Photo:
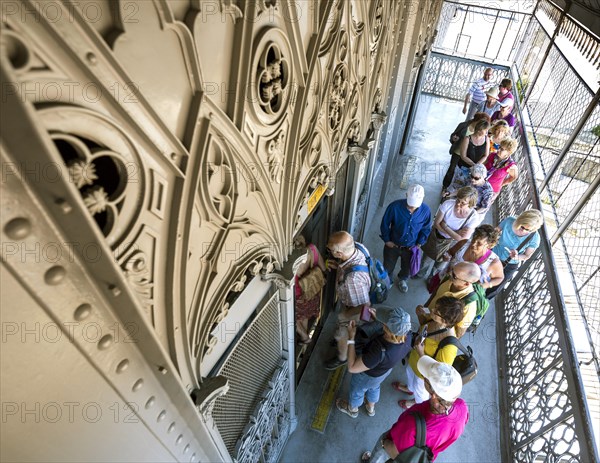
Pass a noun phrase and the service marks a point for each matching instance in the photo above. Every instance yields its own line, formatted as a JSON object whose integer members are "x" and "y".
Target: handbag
{"x": 415, "y": 260}
{"x": 464, "y": 363}
{"x": 437, "y": 245}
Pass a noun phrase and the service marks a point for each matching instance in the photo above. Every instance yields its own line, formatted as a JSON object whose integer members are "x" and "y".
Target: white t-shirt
{"x": 456, "y": 223}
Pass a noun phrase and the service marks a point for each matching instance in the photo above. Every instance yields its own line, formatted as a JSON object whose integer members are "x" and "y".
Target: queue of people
{"x": 464, "y": 263}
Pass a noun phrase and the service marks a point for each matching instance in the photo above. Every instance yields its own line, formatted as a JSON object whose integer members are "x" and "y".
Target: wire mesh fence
{"x": 555, "y": 298}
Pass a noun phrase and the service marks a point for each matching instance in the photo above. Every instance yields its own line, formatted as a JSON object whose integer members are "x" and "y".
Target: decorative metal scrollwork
{"x": 273, "y": 79}
{"x": 338, "y": 96}
{"x": 100, "y": 175}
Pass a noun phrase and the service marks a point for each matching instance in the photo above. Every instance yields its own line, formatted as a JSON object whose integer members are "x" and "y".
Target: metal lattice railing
{"x": 549, "y": 315}
{"x": 252, "y": 417}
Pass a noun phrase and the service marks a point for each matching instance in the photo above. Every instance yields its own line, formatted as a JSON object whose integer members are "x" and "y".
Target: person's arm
{"x": 455, "y": 235}
{"x": 439, "y": 218}
{"x": 526, "y": 255}
{"x": 454, "y": 249}
{"x": 465, "y": 233}
{"x": 421, "y": 315}
{"x": 464, "y": 144}
{"x": 355, "y": 364}
{"x": 512, "y": 174}
{"x": 487, "y": 151}
{"x": 466, "y": 105}
{"x": 470, "y": 312}
{"x": 425, "y": 230}
{"x": 496, "y": 272}
{"x": 320, "y": 261}
{"x": 386, "y": 223}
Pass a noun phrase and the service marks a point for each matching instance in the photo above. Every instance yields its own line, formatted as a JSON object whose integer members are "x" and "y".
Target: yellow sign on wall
{"x": 315, "y": 197}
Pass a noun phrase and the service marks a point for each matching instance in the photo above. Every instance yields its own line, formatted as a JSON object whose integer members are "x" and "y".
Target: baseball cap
{"x": 415, "y": 195}
{"x": 444, "y": 379}
{"x": 395, "y": 318}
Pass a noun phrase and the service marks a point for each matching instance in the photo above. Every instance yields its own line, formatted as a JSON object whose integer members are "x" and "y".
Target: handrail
{"x": 535, "y": 333}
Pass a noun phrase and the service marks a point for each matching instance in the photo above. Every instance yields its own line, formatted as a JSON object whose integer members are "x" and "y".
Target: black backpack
{"x": 366, "y": 334}
{"x": 465, "y": 363}
{"x": 418, "y": 453}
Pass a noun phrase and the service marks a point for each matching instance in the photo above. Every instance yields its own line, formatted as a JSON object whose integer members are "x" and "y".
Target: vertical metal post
{"x": 461, "y": 29}
{"x": 491, "y": 34}
{"x": 582, "y": 121}
{"x": 504, "y": 36}
{"x": 547, "y": 52}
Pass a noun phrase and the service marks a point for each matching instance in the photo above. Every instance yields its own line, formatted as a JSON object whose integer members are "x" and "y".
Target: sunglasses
{"x": 475, "y": 178}
{"x": 528, "y": 230}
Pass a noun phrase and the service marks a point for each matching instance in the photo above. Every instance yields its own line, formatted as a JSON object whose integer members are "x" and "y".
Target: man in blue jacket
{"x": 405, "y": 224}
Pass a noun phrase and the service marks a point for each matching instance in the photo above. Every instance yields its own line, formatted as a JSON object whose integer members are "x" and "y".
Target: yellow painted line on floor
{"x": 327, "y": 399}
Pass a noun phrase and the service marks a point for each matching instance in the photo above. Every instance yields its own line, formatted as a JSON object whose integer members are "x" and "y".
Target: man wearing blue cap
{"x": 377, "y": 358}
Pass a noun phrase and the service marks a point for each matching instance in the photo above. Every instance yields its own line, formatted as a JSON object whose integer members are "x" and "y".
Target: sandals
{"x": 370, "y": 412}
{"x": 402, "y": 388}
{"x": 405, "y": 404}
{"x": 343, "y": 406}
{"x": 366, "y": 457}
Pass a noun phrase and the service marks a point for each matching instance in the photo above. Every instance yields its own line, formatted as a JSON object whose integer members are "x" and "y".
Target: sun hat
{"x": 506, "y": 102}
{"x": 395, "y": 318}
{"x": 493, "y": 92}
{"x": 444, "y": 379}
{"x": 415, "y": 195}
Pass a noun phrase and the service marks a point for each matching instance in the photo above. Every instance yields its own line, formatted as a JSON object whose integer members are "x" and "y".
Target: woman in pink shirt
{"x": 501, "y": 167}
{"x": 444, "y": 413}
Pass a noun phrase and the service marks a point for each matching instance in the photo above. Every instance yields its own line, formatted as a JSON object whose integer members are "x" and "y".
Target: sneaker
{"x": 403, "y": 286}
{"x": 334, "y": 363}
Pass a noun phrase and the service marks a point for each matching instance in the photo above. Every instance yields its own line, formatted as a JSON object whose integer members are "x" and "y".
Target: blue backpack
{"x": 380, "y": 280}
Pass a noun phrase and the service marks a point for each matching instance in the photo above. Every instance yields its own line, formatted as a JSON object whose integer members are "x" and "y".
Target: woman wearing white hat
{"x": 445, "y": 416}
{"x": 491, "y": 104}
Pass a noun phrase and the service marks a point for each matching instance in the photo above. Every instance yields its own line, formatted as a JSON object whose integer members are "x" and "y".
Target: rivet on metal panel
{"x": 105, "y": 342}
{"x": 137, "y": 385}
{"x": 64, "y": 206}
{"x": 193, "y": 457}
{"x": 179, "y": 439}
{"x": 115, "y": 290}
{"x": 122, "y": 366}
{"x": 171, "y": 427}
{"x": 161, "y": 416}
{"x": 150, "y": 402}
{"x": 18, "y": 228}
{"x": 163, "y": 370}
{"x": 91, "y": 58}
{"x": 55, "y": 275}
{"x": 82, "y": 312}
{"x": 186, "y": 448}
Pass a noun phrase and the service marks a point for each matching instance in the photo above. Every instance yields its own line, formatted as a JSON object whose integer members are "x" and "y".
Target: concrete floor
{"x": 344, "y": 439}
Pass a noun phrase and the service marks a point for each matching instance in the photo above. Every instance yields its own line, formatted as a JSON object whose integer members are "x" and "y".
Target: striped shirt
{"x": 353, "y": 288}
{"x": 478, "y": 89}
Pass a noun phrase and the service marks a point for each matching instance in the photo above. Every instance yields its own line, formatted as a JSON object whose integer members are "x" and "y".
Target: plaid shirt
{"x": 353, "y": 288}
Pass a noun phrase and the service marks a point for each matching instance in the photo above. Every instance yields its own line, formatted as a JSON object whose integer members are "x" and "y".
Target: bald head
{"x": 467, "y": 271}
{"x": 341, "y": 243}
